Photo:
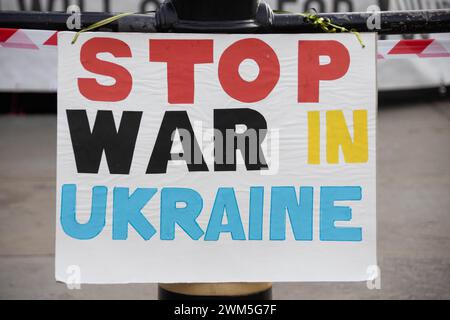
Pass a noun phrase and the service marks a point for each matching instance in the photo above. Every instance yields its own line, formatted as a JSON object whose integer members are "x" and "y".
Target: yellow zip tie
{"x": 326, "y": 24}
{"x": 101, "y": 24}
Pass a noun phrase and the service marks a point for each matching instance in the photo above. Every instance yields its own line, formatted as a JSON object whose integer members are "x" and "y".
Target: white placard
{"x": 141, "y": 195}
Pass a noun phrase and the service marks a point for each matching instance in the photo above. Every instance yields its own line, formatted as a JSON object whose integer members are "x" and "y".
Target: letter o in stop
{"x": 269, "y": 70}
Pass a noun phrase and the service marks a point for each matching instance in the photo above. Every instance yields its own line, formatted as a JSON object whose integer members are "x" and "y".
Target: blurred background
{"x": 413, "y": 165}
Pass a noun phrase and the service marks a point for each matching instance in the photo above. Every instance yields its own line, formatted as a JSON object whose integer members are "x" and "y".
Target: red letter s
{"x": 89, "y": 87}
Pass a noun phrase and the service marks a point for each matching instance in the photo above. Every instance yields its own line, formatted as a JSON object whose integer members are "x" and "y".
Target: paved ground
{"x": 413, "y": 212}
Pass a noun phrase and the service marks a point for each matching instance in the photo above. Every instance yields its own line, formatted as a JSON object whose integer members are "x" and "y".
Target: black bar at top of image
{"x": 258, "y": 17}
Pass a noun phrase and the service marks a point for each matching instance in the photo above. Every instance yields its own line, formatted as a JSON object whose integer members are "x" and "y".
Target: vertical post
{"x": 215, "y": 291}
{"x": 204, "y": 11}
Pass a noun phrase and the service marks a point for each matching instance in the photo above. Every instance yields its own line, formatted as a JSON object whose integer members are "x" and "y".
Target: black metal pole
{"x": 57, "y": 21}
{"x": 167, "y": 19}
{"x": 391, "y": 22}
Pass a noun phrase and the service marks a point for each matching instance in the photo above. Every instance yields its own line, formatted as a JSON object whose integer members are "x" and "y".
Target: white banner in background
{"x": 247, "y": 158}
{"x": 392, "y": 74}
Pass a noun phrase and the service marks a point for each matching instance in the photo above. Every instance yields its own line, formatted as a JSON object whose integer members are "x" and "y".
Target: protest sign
{"x": 216, "y": 157}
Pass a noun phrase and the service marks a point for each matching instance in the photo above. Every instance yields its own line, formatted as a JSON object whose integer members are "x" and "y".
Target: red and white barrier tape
{"x": 424, "y": 48}
{"x": 387, "y": 49}
{"x": 27, "y": 39}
